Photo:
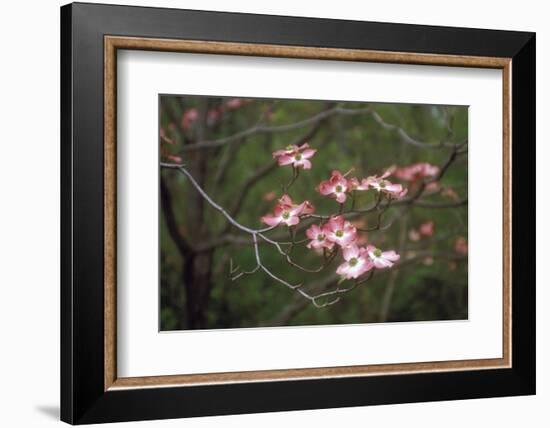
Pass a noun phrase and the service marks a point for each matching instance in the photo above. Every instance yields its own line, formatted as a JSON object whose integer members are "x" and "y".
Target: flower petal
{"x": 351, "y": 252}
{"x": 342, "y": 269}
{"x": 391, "y": 256}
{"x": 285, "y": 200}
{"x": 306, "y": 164}
{"x": 326, "y": 188}
{"x": 313, "y": 231}
{"x": 292, "y": 221}
{"x": 336, "y": 223}
{"x": 341, "y": 198}
{"x": 271, "y": 220}
{"x": 381, "y": 263}
{"x": 285, "y": 160}
{"x": 307, "y": 153}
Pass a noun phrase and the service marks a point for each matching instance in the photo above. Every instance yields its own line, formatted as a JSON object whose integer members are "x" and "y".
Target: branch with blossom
{"x": 332, "y": 235}
{"x": 329, "y": 235}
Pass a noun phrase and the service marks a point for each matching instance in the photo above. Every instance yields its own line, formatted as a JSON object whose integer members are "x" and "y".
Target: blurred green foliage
{"x": 431, "y": 287}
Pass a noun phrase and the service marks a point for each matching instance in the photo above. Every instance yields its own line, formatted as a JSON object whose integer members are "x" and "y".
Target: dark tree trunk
{"x": 197, "y": 270}
{"x": 197, "y": 275}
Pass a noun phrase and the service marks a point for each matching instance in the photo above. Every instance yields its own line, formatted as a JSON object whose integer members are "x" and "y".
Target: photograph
{"x": 263, "y": 211}
{"x": 289, "y": 212}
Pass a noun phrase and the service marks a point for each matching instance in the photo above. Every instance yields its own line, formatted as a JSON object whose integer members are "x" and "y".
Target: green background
{"x": 196, "y": 287}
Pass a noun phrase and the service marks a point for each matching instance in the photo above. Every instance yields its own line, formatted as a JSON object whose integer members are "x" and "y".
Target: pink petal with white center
{"x": 313, "y": 231}
{"x": 350, "y": 252}
{"x": 339, "y": 181}
{"x": 382, "y": 260}
{"x": 353, "y": 271}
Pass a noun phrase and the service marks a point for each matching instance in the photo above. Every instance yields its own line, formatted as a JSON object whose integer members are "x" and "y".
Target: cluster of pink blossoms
{"x": 338, "y": 186}
{"x": 336, "y": 233}
{"x": 357, "y": 260}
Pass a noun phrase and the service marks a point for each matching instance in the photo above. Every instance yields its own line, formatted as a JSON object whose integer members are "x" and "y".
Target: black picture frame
{"x": 83, "y": 398}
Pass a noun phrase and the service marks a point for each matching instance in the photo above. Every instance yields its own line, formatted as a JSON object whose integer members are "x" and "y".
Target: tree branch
{"x": 255, "y": 233}
{"x": 262, "y": 129}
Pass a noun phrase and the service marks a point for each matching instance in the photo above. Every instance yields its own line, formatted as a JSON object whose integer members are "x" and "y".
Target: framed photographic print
{"x": 265, "y": 213}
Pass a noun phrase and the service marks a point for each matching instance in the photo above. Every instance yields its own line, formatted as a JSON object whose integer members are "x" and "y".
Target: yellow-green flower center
{"x": 377, "y": 253}
{"x": 298, "y": 157}
{"x": 320, "y": 237}
{"x": 339, "y": 233}
{"x": 339, "y": 188}
{"x": 286, "y": 215}
{"x": 382, "y": 184}
{"x": 353, "y": 261}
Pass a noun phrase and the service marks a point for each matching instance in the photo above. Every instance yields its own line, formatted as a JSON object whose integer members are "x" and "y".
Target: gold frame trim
{"x": 112, "y": 43}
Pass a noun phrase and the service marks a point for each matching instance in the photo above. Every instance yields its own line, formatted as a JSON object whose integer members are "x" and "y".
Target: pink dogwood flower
{"x": 357, "y": 262}
{"x": 340, "y": 231}
{"x": 355, "y": 184}
{"x": 382, "y": 259}
{"x": 318, "y": 236}
{"x": 305, "y": 207}
{"x": 427, "y": 229}
{"x": 416, "y": 171}
{"x": 297, "y": 156}
{"x": 335, "y": 187}
{"x": 286, "y": 212}
{"x": 385, "y": 186}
